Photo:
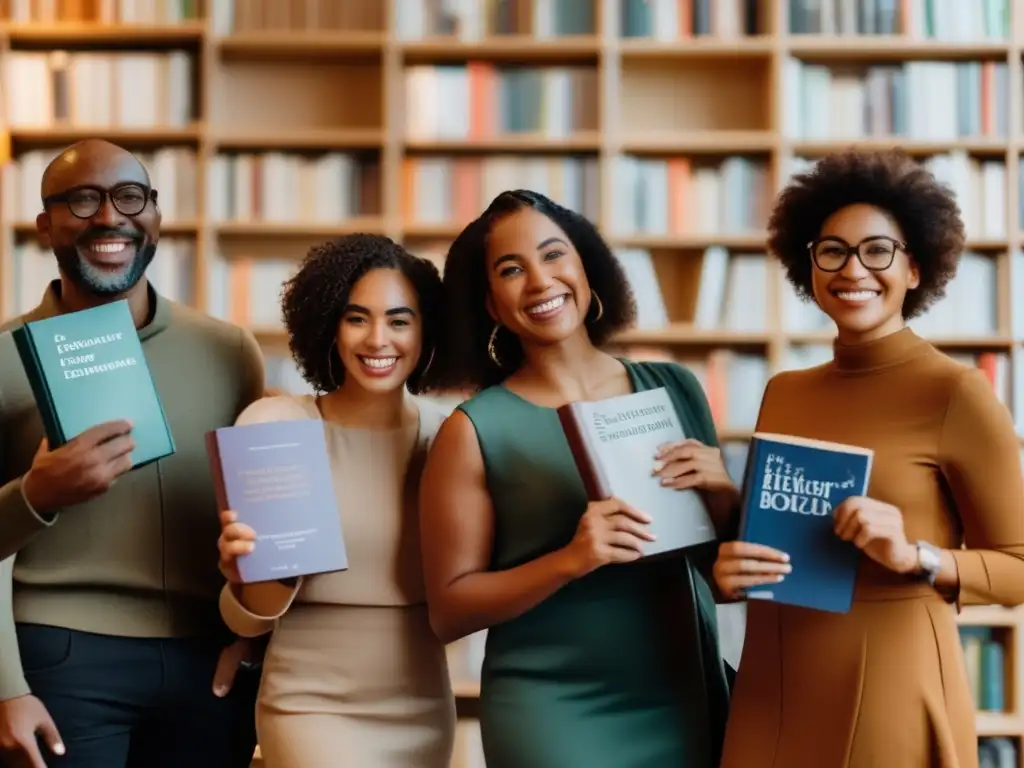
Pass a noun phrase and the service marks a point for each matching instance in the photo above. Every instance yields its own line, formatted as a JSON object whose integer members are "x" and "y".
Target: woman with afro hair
{"x": 873, "y": 238}
{"x": 593, "y": 660}
{"x": 354, "y": 675}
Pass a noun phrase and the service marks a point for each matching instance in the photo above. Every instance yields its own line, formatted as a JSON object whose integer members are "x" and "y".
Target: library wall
{"x": 269, "y": 126}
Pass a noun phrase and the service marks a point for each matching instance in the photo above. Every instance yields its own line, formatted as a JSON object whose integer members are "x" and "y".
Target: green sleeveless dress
{"x": 621, "y": 668}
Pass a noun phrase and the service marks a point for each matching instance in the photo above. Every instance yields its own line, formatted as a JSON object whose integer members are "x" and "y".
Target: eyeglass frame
{"x": 851, "y": 250}
{"x": 105, "y": 194}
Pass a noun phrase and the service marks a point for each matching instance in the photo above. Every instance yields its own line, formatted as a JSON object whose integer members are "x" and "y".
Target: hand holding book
{"x": 236, "y": 539}
{"x": 691, "y": 464}
{"x": 610, "y": 531}
{"x": 80, "y": 469}
{"x": 742, "y": 565}
{"x": 876, "y": 528}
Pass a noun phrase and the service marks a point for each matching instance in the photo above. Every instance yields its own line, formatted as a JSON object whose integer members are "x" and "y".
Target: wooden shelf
{"x": 289, "y": 91}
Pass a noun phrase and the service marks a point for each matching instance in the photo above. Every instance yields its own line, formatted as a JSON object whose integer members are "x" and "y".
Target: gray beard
{"x": 99, "y": 282}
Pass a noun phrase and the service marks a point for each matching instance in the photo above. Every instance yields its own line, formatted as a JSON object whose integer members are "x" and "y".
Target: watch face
{"x": 929, "y": 558}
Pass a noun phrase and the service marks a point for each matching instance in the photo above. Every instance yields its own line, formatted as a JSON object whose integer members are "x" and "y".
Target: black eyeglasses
{"x": 85, "y": 201}
{"x": 876, "y": 253}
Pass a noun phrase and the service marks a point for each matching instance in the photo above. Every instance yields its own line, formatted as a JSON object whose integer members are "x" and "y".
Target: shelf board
{"x": 303, "y": 231}
{"x": 581, "y": 141}
{"x": 291, "y": 44}
{"x": 889, "y": 48}
{"x": 695, "y": 48}
{"x": 132, "y": 138}
{"x": 989, "y": 616}
{"x": 976, "y": 146}
{"x": 699, "y": 142}
{"x": 685, "y": 335}
{"x": 310, "y": 139}
{"x": 751, "y": 242}
{"x": 80, "y": 36}
{"x": 998, "y": 724}
{"x": 503, "y": 48}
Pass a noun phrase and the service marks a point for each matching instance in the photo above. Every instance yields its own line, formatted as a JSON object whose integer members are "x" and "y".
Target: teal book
{"x": 86, "y": 368}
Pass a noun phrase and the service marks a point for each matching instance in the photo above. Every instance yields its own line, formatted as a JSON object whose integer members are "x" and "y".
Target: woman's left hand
{"x": 876, "y": 528}
{"x": 691, "y": 464}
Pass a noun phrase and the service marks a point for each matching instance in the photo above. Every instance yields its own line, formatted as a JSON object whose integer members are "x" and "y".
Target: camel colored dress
{"x": 353, "y": 675}
{"x": 885, "y": 684}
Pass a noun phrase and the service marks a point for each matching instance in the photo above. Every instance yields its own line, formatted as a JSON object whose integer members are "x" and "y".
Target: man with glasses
{"x": 112, "y": 651}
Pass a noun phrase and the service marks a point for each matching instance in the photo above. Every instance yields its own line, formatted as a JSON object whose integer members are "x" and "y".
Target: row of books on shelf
{"x": 652, "y": 197}
{"x": 946, "y": 20}
{"x": 475, "y": 19}
{"x": 918, "y": 100}
{"x": 129, "y": 90}
{"x": 481, "y": 100}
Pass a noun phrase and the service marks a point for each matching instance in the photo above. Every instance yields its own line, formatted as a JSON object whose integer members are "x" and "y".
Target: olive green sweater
{"x": 141, "y": 560}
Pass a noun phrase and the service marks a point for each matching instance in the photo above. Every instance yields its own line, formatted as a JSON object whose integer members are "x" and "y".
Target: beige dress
{"x": 353, "y": 675}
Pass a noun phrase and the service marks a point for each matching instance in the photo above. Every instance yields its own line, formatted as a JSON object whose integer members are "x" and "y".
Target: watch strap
{"x": 930, "y": 560}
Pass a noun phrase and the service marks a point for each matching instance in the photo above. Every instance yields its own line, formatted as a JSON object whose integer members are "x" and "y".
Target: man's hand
{"x": 81, "y": 469}
{"x": 231, "y": 658}
{"x": 21, "y": 718}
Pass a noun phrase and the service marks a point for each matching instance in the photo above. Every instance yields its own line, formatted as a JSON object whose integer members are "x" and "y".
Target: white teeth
{"x": 547, "y": 306}
{"x": 378, "y": 362}
{"x": 107, "y": 247}
{"x": 856, "y": 295}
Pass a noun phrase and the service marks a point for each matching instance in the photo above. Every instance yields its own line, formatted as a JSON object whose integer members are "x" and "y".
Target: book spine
{"x": 747, "y": 497}
{"x": 220, "y": 491}
{"x": 159, "y": 403}
{"x": 584, "y": 454}
{"x": 26, "y": 347}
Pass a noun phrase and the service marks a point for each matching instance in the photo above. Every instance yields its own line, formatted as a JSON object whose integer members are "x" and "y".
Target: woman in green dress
{"x": 592, "y": 660}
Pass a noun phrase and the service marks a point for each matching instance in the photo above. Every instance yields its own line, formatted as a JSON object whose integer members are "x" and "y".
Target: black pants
{"x": 138, "y": 703}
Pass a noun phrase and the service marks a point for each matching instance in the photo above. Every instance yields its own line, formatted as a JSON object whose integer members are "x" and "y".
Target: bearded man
{"x": 112, "y": 651}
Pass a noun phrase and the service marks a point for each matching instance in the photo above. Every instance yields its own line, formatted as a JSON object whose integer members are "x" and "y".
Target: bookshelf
{"x": 268, "y": 126}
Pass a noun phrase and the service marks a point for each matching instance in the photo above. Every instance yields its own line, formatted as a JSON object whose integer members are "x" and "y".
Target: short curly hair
{"x": 925, "y": 209}
{"x": 313, "y": 299}
{"x": 465, "y": 362}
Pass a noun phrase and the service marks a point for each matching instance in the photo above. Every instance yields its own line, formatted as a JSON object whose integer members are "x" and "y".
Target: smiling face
{"x": 538, "y": 287}
{"x": 864, "y": 303}
{"x": 380, "y": 335}
{"x": 106, "y": 253}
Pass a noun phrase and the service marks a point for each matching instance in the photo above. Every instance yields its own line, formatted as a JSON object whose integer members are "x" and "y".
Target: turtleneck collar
{"x": 51, "y": 306}
{"x": 894, "y": 349}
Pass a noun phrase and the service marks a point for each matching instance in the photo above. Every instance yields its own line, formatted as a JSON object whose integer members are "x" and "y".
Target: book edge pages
{"x": 810, "y": 442}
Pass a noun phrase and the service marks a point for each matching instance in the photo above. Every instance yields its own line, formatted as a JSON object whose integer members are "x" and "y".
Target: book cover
{"x": 88, "y": 367}
{"x": 614, "y": 443}
{"x": 276, "y": 476}
{"x": 791, "y": 488}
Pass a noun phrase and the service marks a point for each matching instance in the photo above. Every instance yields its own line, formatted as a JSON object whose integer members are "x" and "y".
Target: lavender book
{"x": 276, "y": 477}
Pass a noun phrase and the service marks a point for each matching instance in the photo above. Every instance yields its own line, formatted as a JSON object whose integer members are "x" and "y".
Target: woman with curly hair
{"x": 873, "y": 238}
{"x": 353, "y": 675}
{"x": 592, "y": 659}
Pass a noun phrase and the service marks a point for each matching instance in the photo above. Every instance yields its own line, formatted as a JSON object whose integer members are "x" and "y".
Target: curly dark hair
{"x": 925, "y": 209}
{"x": 465, "y": 362}
{"x": 313, "y": 299}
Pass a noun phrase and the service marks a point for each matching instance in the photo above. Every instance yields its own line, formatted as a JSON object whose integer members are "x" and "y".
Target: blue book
{"x": 276, "y": 476}
{"x": 792, "y": 486}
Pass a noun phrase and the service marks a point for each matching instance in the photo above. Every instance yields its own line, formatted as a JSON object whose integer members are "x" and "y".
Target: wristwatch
{"x": 929, "y": 560}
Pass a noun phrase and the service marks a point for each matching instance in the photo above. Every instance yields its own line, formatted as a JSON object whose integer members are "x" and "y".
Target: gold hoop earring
{"x": 490, "y": 345}
{"x": 330, "y": 364}
{"x": 600, "y": 306}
